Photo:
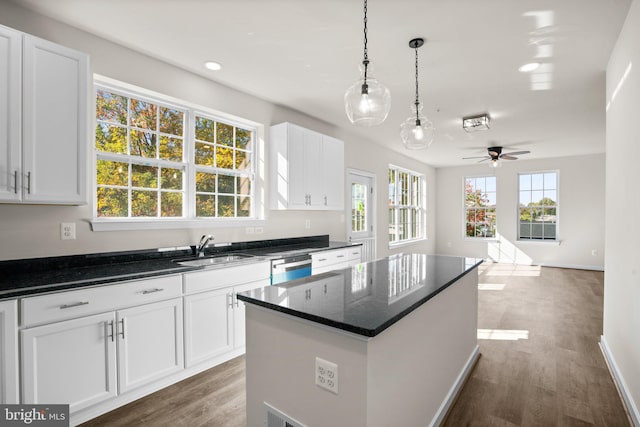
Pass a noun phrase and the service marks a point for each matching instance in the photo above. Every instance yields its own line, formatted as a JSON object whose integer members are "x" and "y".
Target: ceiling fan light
{"x": 495, "y": 164}
{"x": 476, "y": 123}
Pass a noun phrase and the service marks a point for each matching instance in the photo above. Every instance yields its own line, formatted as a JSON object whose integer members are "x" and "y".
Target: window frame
{"x": 422, "y": 231}
{"x": 188, "y": 220}
{"x": 464, "y": 209}
{"x": 556, "y": 240}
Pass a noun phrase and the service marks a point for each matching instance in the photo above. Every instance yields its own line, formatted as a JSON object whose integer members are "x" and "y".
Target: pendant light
{"x": 367, "y": 102}
{"x": 417, "y": 131}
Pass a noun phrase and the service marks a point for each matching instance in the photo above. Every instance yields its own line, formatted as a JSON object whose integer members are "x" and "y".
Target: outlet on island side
{"x": 327, "y": 375}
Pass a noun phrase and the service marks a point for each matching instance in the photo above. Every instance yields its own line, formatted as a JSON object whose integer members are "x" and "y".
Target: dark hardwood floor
{"x": 541, "y": 364}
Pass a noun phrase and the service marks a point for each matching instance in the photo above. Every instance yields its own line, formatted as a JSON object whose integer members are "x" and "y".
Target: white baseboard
{"x": 574, "y": 266}
{"x": 455, "y": 389}
{"x": 632, "y": 409}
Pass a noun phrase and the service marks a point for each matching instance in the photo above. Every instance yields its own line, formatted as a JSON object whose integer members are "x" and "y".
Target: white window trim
{"x": 425, "y": 198}
{"x": 116, "y": 224}
{"x": 464, "y": 211}
{"x": 553, "y": 242}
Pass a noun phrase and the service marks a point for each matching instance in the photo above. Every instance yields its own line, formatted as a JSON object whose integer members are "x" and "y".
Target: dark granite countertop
{"x": 368, "y": 298}
{"x": 40, "y": 275}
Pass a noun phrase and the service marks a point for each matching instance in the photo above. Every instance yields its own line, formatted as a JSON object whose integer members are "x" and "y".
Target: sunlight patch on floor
{"x": 503, "y": 334}
{"x": 490, "y": 286}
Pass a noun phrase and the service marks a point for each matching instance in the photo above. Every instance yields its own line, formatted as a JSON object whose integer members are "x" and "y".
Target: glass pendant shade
{"x": 417, "y": 131}
{"x": 367, "y": 102}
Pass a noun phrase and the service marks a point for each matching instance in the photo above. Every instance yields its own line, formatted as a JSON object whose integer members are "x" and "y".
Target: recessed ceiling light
{"x": 529, "y": 67}
{"x": 212, "y": 65}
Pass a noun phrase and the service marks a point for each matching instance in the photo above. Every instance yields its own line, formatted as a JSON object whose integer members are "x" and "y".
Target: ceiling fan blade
{"x": 485, "y": 159}
{"x": 517, "y": 153}
{"x": 508, "y": 157}
{"x": 477, "y": 157}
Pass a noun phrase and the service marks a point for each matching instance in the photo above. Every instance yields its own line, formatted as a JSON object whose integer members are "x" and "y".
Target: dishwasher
{"x": 290, "y": 268}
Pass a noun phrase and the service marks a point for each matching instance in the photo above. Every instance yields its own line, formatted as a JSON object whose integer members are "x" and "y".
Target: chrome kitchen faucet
{"x": 204, "y": 241}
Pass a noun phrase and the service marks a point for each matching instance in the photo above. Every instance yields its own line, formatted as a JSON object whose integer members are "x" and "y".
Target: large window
{"x": 407, "y": 213}
{"x": 538, "y": 196}
{"x": 480, "y": 206}
{"x": 156, "y": 160}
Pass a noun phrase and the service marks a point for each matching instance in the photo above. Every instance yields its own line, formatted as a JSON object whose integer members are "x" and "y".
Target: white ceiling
{"x": 305, "y": 53}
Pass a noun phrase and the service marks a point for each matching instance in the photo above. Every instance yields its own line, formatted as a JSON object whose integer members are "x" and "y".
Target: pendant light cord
{"x": 417, "y": 97}
{"x": 365, "y": 61}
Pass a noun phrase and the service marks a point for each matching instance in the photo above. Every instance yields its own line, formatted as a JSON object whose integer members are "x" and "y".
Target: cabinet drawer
{"x": 354, "y": 253}
{"x": 223, "y": 277}
{"x": 321, "y": 259}
{"x": 69, "y": 304}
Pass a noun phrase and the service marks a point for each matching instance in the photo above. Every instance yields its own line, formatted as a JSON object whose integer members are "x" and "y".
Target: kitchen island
{"x": 384, "y": 343}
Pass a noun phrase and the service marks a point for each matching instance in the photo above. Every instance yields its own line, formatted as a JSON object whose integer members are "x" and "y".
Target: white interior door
{"x": 361, "y": 225}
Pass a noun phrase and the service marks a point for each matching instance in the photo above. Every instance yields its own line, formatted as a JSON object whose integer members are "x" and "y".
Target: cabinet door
{"x": 239, "y": 339}
{"x": 149, "y": 343}
{"x": 333, "y": 173}
{"x": 55, "y": 120}
{"x": 70, "y": 362}
{"x": 10, "y": 113}
{"x": 313, "y": 168}
{"x": 208, "y": 325}
{"x": 9, "y": 352}
{"x": 297, "y": 194}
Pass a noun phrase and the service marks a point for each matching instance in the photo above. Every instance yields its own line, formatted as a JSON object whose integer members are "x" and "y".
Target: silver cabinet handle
{"x": 235, "y": 297}
{"x": 340, "y": 256}
{"x": 15, "y": 178}
{"x": 150, "y": 291}
{"x": 112, "y": 335}
{"x": 75, "y": 304}
{"x": 29, "y": 182}
{"x": 321, "y": 259}
{"x": 325, "y": 200}
{"x": 230, "y": 299}
{"x": 122, "y": 321}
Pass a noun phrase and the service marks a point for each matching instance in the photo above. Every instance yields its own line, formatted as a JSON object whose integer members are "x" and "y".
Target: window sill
{"x": 406, "y": 243}
{"x": 168, "y": 224}
{"x": 539, "y": 242}
{"x": 481, "y": 239}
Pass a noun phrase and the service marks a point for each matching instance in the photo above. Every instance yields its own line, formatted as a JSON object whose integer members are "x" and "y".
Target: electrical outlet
{"x": 594, "y": 252}
{"x": 327, "y": 375}
{"x": 307, "y": 223}
{"x": 259, "y": 230}
{"x": 67, "y": 231}
{"x": 249, "y": 230}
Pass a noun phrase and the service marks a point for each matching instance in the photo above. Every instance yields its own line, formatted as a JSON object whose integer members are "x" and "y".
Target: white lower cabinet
{"x": 335, "y": 259}
{"x": 9, "y": 352}
{"x": 149, "y": 343}
{"x": 70, "y": 362}
{"x": 78, "y": 361}
{"x": 214, "y": 319}
{"x": 208, "y": 325}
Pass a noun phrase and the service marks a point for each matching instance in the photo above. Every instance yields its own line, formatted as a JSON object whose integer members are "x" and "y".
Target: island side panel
{"x": 280, "y": 366}
{"x": 413, "y": 366}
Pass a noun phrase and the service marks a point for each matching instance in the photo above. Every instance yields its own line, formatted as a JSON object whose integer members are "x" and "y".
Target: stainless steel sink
{"x": 213, "y": 260}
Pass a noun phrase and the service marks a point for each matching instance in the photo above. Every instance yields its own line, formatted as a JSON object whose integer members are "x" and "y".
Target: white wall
{"x": 581, "y": 213}
{"x": 621, "y": 337}
{"x": 34, "y": 231}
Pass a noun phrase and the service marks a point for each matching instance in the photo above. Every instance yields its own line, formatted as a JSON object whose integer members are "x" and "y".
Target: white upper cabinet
{"x": 10, "y": 113}
{"x": 44, "y": 97}
{"x": 307, "y": 169}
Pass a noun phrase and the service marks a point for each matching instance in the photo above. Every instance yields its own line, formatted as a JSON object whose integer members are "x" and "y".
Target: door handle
{"x": 122, "y": 332}
{"x": 29, "y": 182}
{"x": 112, "y": 335}
{"x": 15, "y": 179}
{"x": 150, "y": 291}
{"x": 75, "y": 304}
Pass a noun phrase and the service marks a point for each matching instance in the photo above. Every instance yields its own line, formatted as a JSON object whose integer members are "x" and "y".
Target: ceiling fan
{"x": 495, "y": 154}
